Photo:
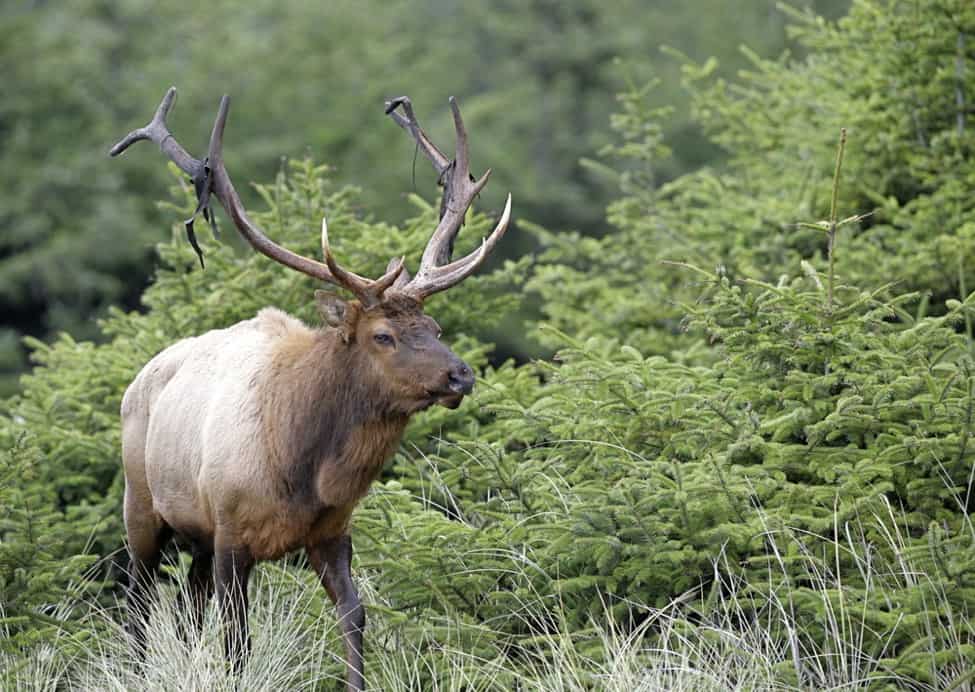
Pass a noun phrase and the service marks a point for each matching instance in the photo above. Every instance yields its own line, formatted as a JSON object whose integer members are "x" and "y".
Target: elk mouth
{"x": 447, "y": 398}
{"x": 451, "y": 400}
{"x": 460, "y": 383}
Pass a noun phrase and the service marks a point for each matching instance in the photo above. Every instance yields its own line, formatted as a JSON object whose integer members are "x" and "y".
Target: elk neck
{"x": 329, "y": 422}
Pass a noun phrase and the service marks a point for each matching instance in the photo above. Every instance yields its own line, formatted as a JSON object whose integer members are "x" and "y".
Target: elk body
{"x": 257, "y": 440}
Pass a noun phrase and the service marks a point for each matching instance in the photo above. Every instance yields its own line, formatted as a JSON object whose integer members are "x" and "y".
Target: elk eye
{"x": 383, "y": 339}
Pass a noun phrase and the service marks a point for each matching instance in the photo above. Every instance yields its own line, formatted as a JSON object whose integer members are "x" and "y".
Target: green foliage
{"x": 753, "y": 405}
{"x": 806, "y": 426}
{"x": 536, "y": 81}
{"x": 891, "y": 74}
{"x": 42, "y": 554}
{"x": 756, "y": 419}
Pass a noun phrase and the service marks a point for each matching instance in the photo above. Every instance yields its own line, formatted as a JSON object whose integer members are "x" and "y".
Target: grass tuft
{"x": 732, "y": 636}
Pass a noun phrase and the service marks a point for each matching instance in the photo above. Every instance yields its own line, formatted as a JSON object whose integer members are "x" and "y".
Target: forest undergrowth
{"x": 726, "y": 636}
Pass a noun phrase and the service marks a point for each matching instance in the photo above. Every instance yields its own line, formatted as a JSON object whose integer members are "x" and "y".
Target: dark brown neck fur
{"x": 321, "y": 406}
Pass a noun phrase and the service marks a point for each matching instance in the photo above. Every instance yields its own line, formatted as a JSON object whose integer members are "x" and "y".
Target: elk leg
{"x": 145, "y": 553}
{"x": 198, "y": 590}
{"x": 332, "y": 560}
{"x": 233, "y": 568}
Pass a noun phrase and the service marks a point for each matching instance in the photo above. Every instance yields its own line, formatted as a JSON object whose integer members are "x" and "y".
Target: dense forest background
{"x": 741, "y": 456}
{"x": 538, "y": 82}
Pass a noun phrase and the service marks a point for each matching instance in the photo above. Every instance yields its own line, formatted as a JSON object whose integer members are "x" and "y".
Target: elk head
{"x": 398, "y": 348}
{"x": 384, "y": 325}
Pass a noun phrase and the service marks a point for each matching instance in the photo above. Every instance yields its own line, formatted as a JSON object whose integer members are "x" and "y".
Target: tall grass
{"x": 733, "y": 637}
{"x": 292, "y": 645}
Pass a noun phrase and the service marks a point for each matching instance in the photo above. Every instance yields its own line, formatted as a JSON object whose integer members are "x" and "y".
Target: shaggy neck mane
{"x": 322, "y": 405}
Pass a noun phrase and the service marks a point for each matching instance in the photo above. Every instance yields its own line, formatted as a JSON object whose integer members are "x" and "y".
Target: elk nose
{"x": 460, "y": 379}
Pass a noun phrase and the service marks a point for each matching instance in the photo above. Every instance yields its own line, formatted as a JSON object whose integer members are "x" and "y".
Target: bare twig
{"x": 832, "y": 217}
{"x": 960, "y": 83}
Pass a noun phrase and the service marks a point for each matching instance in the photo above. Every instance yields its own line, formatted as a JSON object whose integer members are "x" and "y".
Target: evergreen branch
{"x": 727, "y": 491}
{"x": 963, "y": 290}
{"x": 965, "y": 434}
{"x": 721, "y": 414}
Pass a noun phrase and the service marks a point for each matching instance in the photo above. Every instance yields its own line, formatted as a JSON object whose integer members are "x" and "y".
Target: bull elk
{"x": 257, "y": 440}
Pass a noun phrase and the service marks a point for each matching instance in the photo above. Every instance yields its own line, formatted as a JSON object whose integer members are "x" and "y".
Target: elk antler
{"x": 210, "y": 175}
{"x": 436, "y": 272}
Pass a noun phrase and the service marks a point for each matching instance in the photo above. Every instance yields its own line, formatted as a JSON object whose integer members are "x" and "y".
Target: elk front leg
{"x": 233, "y": 568}
{"x": 332, "y": 560}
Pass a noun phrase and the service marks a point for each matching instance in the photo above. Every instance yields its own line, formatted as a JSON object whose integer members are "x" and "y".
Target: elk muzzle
{"x": 460, "y": 379}
{"x": 459, "y": 383}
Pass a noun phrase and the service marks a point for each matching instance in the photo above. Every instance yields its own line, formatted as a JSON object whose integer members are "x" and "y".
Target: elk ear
{"x": 332, "y": 308}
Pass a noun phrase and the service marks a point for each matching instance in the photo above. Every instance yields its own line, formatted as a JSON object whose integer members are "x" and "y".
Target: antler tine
{"x": 460, "y": 189}
{"x": 157, "y": 131}
{"x": 368, "y": 291}
{"x": 454, "y": 176}
{"x": 211, "y": 175}
{"x": 461, "y": 154}
{"x": 409, "y": 123}
{"x": 441, "y": 278}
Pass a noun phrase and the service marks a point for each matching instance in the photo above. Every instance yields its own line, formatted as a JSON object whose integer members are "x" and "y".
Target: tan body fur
{"x": 213, "y": 427}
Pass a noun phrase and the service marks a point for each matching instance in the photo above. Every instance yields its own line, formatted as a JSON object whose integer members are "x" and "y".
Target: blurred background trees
{"x": 538, "y": 81}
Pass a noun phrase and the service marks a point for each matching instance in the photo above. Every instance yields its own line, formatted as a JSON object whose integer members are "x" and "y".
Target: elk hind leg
{"x": 232, "y": 569}
{"x": 196, "y": 593}
{"x": 332, "y": 560}
{"x": 146, "y": 541}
